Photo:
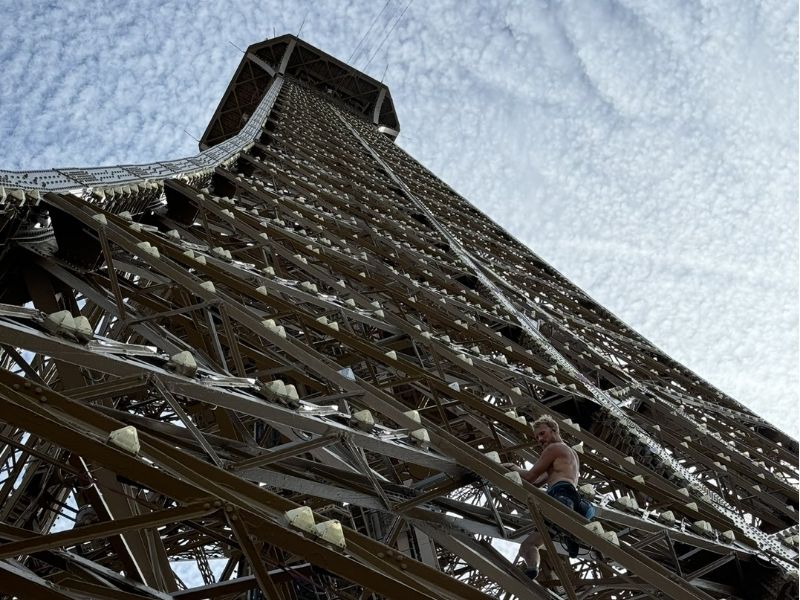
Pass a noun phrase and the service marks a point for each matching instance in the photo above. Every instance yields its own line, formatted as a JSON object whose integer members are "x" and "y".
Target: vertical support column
{"x": 286, "y": 56}
{"x": 378, "y": 103}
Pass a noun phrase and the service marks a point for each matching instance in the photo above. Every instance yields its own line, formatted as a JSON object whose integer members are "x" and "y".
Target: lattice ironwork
{"x": 288, "y": 377}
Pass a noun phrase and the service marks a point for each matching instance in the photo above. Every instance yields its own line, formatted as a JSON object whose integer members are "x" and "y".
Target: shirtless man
{"x": 558, "y": 467}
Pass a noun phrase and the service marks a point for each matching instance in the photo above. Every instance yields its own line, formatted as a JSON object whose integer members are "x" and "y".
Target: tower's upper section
{"x": 291, "y": 56}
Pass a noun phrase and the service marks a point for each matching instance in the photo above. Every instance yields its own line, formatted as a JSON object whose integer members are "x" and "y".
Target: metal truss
{"x": 127, "y": 180}
{"x": 296, "y": 376}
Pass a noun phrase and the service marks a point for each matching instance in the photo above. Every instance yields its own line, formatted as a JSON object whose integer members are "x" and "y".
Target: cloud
{"x": 646, "y": 150}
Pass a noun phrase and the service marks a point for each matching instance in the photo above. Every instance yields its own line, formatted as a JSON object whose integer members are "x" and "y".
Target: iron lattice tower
{"x": 304, "y": 316}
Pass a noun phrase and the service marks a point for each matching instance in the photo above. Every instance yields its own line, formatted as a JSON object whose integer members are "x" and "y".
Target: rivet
{"x": 42, "y": 398}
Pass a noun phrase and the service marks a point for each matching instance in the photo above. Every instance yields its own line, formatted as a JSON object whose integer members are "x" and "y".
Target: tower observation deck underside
{"x": 349, "y": 88}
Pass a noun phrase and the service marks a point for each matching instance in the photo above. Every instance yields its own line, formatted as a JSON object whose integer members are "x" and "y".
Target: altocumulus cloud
{"x": 647, "y": 150}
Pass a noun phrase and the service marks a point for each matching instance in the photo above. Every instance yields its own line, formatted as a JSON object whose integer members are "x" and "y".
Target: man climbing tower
{"x": 558, "y": 467}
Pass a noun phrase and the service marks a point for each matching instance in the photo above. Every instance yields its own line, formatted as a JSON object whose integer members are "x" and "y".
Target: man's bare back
{"x": 565, "y": 465}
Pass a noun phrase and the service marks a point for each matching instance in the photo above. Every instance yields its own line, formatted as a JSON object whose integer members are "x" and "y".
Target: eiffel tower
{"x": 297, "y": 365}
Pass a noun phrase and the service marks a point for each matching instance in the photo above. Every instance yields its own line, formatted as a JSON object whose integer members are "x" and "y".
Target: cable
{"x": 303, "y": 23}
{"x": 361, "y": 41}
{"x": 410, "y": 2}
{"x": 365, "y": 50}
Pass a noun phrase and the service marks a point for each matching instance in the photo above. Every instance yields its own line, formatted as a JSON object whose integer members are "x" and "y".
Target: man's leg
{"x": 568, "y": 496}
{"x": 529, "y": 551}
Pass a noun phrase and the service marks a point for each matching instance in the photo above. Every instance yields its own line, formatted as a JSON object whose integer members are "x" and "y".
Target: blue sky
{"x": 647, "y": 150}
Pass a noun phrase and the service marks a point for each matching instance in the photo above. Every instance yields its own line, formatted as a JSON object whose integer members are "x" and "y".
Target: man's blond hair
{"x": 548, "y": 421}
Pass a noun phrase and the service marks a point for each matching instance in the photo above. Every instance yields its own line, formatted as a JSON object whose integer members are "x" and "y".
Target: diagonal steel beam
{"x": 71, "y": 537}
{"x": 251, "y": 552}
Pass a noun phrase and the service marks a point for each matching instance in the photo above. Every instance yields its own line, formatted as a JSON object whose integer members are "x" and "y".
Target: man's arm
{"x": 537, "y": 475}
{"x": 541, "y": 480}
